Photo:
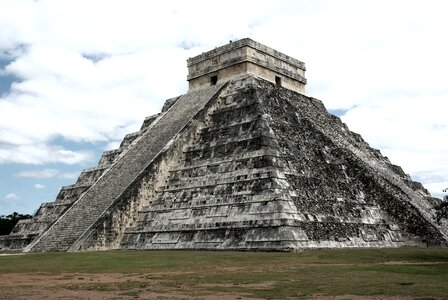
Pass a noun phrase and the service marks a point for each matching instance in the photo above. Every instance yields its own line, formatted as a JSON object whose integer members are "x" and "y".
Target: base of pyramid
{"x": 284, "y": 238}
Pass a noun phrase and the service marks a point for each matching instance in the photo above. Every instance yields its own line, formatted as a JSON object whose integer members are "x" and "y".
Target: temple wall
{"x": 242, "y": 58}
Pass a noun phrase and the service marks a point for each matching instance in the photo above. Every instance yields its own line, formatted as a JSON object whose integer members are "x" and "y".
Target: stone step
{"x": 70, "y": 193}
{"x": 109, "y": 157}
{"x": 168, "y": 103}
{"x": 246, "y": 156}
{"x": 89, "y": 176}
{"x": 148, "y": 121}
{"x": 129, "y": 138}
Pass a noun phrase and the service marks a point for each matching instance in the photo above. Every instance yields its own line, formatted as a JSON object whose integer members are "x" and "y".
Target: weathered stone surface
{"x": 239, "y": 163}
{"x": 245, "y": 57}
{"x": 272, "y": 170}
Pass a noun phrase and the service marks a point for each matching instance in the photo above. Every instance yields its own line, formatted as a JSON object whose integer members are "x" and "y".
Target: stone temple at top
{"x": 242, "y": 161}
{"x": 242, "y": 58}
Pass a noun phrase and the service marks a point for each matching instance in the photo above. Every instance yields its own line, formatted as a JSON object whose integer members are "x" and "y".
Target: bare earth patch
{"x": 98, "y": 286}
{"x": 355, "y": 297}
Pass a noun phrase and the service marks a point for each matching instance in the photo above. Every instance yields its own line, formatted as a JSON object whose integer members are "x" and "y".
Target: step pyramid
{"x": 243, "y": 161}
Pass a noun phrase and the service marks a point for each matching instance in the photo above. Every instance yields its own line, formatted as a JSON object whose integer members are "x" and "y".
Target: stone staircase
{"x": 117, "y": 169}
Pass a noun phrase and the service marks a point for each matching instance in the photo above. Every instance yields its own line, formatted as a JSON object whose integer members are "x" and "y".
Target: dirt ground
{"x": 118, "y": 286}
{"x": 94, "y": 286}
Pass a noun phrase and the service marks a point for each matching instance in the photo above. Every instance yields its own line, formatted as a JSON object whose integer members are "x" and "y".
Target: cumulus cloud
{"x": 410, "y": 130}
{"x": 11, "y": 196}
{"x": 47, "y": 173}
{"x": 38, "y": 186}
{"x": 96, "y": 79}
{"x": 41, "y": 153}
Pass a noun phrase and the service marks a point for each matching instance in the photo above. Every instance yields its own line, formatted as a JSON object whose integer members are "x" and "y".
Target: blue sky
{"x": 76, "y": 76}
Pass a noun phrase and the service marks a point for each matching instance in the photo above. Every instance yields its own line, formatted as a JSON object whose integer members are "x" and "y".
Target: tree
{"x": 442, "y": 209}
{"x": 8, "y": 222}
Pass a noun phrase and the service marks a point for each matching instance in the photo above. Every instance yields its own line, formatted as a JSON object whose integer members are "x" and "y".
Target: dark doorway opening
{"x": 278, "y": 80}
{"x": 213, "y": 79}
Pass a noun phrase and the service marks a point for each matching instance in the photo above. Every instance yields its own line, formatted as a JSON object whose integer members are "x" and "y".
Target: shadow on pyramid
{"x": 243, "y": 161}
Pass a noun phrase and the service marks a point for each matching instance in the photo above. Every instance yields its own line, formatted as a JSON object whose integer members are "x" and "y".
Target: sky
{"x": 76, "y": 76}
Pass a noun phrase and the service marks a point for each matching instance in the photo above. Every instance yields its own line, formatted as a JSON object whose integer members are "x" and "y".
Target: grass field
{"x": 346, "y": 274}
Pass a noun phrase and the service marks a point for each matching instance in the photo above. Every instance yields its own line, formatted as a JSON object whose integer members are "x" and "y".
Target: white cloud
{"x": 112, "y": 145}
{"x": 438, "y": 188}
{"x": 42, "y": 153}
{"x": 47, "y": 173}
{"x": 11, "y": 196}
{"x": 39, "y": 186}
{"x": 410, "y": 130}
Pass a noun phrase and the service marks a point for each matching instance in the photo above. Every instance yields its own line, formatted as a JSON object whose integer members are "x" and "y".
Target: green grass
{"x": 420, "y": 273}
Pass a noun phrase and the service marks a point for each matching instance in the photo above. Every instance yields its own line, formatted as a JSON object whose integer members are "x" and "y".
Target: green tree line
{"x": 8, "y": 222}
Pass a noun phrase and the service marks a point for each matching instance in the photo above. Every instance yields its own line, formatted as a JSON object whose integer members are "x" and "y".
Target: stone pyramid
{"x": 243, "y": 161}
